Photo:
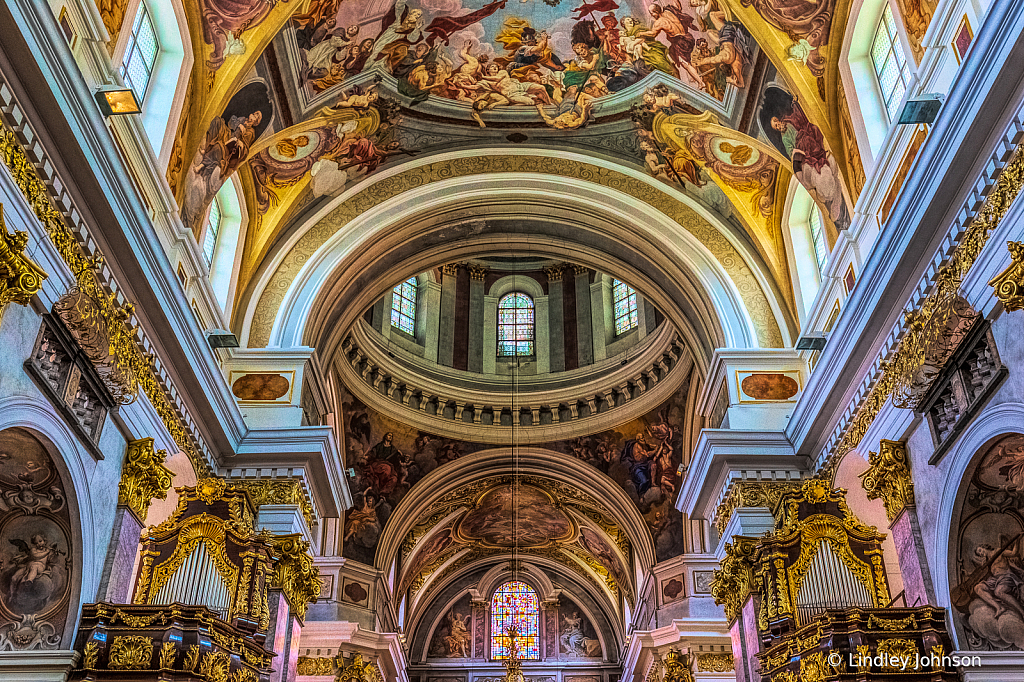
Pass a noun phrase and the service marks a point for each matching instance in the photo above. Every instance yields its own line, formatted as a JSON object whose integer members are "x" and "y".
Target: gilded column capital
{"x": 294, "y": 573}
{"x": 477, "y": 273}
{"x": 1009, "y": 284}
{"x": 451, "y": 269}
{"x": 751, "y": 494}
{"x": 678, "y": 667}
{"x": 732, "y": 583}
{"x": 889, "y": 477}
{"x": 554, "y": 273}
{"x": 580, "y": 270}
{"x": 278, "y": 491}
{"x": 143, "y": 477}
{"x": 20, "y": 278}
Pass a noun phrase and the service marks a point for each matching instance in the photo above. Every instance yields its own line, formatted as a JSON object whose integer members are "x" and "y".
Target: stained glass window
{"x": 212, "y": 230}
{"x": 140, "y": 55}
{"x": 891, "y": 66}
{"x": 515, "y": 604}
{"x": 515, "y": 324}
{"x": 818, "y": 237}
{"x": 624, "y": 307}
{"x": 403, "y": 307}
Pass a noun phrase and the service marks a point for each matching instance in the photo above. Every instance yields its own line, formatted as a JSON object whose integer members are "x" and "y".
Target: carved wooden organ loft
{"x": 201, "y": 609}
{"x": 816, "y": 587}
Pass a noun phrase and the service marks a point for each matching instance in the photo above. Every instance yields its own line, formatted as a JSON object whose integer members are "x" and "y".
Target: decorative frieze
{"x": 1009, "y": 284}
{"x": 143, "y": 477}
{"x": 279, "y": 491}
{"x": 715, "y": 663}
{"x": 889, "y": 478}
{"x": 20, "y": 278}
{"x": 751, "y": 494}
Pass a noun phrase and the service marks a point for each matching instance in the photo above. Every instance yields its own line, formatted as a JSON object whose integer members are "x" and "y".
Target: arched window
{"x": 624, "y": 307}
{"x": 140, "y": 54}
{"x": 213, "y": 222}
{"x": 818, "y": 238}
{"x": 403, "y": 307}
{"x": 515, "y": 605}
{"x": 515, "y": 324}
{"x": 891, "y": 68}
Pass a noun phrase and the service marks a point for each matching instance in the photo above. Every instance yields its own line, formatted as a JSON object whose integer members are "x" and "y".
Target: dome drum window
{"x": 624, "y": 307}
{"x": 515, "y": 325}
{"x": 403, "y": 307}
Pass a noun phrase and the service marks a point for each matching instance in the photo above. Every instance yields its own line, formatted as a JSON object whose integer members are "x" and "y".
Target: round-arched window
{"x": 515, "y": 606}
{"x": 515, "y": 325}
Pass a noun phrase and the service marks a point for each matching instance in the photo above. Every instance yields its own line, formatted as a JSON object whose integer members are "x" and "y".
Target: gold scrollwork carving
{"x": 908, "y": 373}
{"x": 359, "y": 671}
{"x": 898, "y": 655}
{"x": 751, "y": 494}
{"x": 91, "y": 655}
{"x": 279, "y": 491}
{"x": 191, "y": 658}
{"x": 732, "y": 583}
{"x": 133, "y": 621}
{"x": 1009, "y": 284}
{"x": 131, "y": 652}
{"x": 814, "y": 668}
{"x": 889, "y": 478}
{"x": 167, "y": 655}
{"x": 715, "y": 663}
{"x": 319, "y": 665}
{"x": 892, "y": 624}
{"x": 215, "y": 666}
{"x": 20, "y": 278}
{"x": 143, "y": 477}
{"x": 295, "y": 574}
{"x": 678, "y": 667}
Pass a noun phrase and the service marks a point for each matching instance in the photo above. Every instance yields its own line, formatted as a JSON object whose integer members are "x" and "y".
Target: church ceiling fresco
{"x": 302, "y": 98}
{"x": 390, "y": 458}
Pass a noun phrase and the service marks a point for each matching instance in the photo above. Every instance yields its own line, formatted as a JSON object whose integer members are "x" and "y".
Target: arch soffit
{"x": 535, "y": 569}
{"x": 370, "y": 208}
{"x": 533, "y": 462}
{"x": 511, "y": 283}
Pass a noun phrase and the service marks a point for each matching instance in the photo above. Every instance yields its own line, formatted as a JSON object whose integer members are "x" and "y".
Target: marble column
{"x": 476, "y": 318}
{"x": 917, "y": 580}
{"x": 556, "y": 333}
{"x": 584, "y": 323}
{"x": 116, "y": 581}
{"x": 283, "y": 637}
{"x": 746, "y": 642}
{"x": 428, "y": 305}
{"x": 446, "y": 327}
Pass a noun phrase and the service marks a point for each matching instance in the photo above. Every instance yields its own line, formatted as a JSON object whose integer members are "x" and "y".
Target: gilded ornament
{"x": 210, "y": 489}
{"x": 279, "y": 491}
{"x": 901, "y": 649}
{"x": 320, "y": 665}
{"x": 130, "y": 362}
{"x": 751, "y": 494}
{"x": 131, "y": 652}
{"x": 678, "y": 667}
{"x": 215, "y": 666}
{"x": 91, "y": 655}
{"x": 295, "y": 574}
{"x": 191, "y": 658}
{"x": 358, "y": 671}
{"x": 786, "y": 676}
{"x": 134, "y": 621}
{"x": 244, "y": 675}
{"x": 933, "y": 327}
{"x": 1009, "y": 284}
{"x": 892, "y": 624}
{"x": 715, "y": 663}
{"x": 938, "y": 653}
{"x": 654, "y": 674}
{"x": 889, "y": 478}
{"x": 814, "y": 668}
{"x": 143, "y": 477}
{"x": 167, "y": 655}
{"x": 20, "y": 278}
{"x": 255, "y": 658}
{"x": 732, "y": 583}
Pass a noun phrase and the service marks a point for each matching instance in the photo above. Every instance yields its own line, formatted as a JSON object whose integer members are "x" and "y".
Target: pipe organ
{"x": 820, "y": 598}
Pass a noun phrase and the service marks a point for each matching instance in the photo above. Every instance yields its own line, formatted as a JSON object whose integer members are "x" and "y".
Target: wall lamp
{"x": 117, "y": 102}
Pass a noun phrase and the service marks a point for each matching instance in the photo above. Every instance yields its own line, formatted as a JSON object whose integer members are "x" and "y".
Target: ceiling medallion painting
{"x": 558, "y": 59}
{"x": 538, "y": 520}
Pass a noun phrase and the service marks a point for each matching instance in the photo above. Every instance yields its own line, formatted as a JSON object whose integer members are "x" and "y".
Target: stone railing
{"x": 548, "y": 407}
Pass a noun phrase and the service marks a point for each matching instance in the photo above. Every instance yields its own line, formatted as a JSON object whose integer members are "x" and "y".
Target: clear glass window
{"x": 624, "y": 307}
{"x": 403, "y": 307}
{"x": 213, "y": 223}
{"x": 140, "y": 54}
{"x": 515, "y": 324}
{"x": 818, "y": 238}
{"x": 891, "y": 67}
{"x": 515, "y": 605}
